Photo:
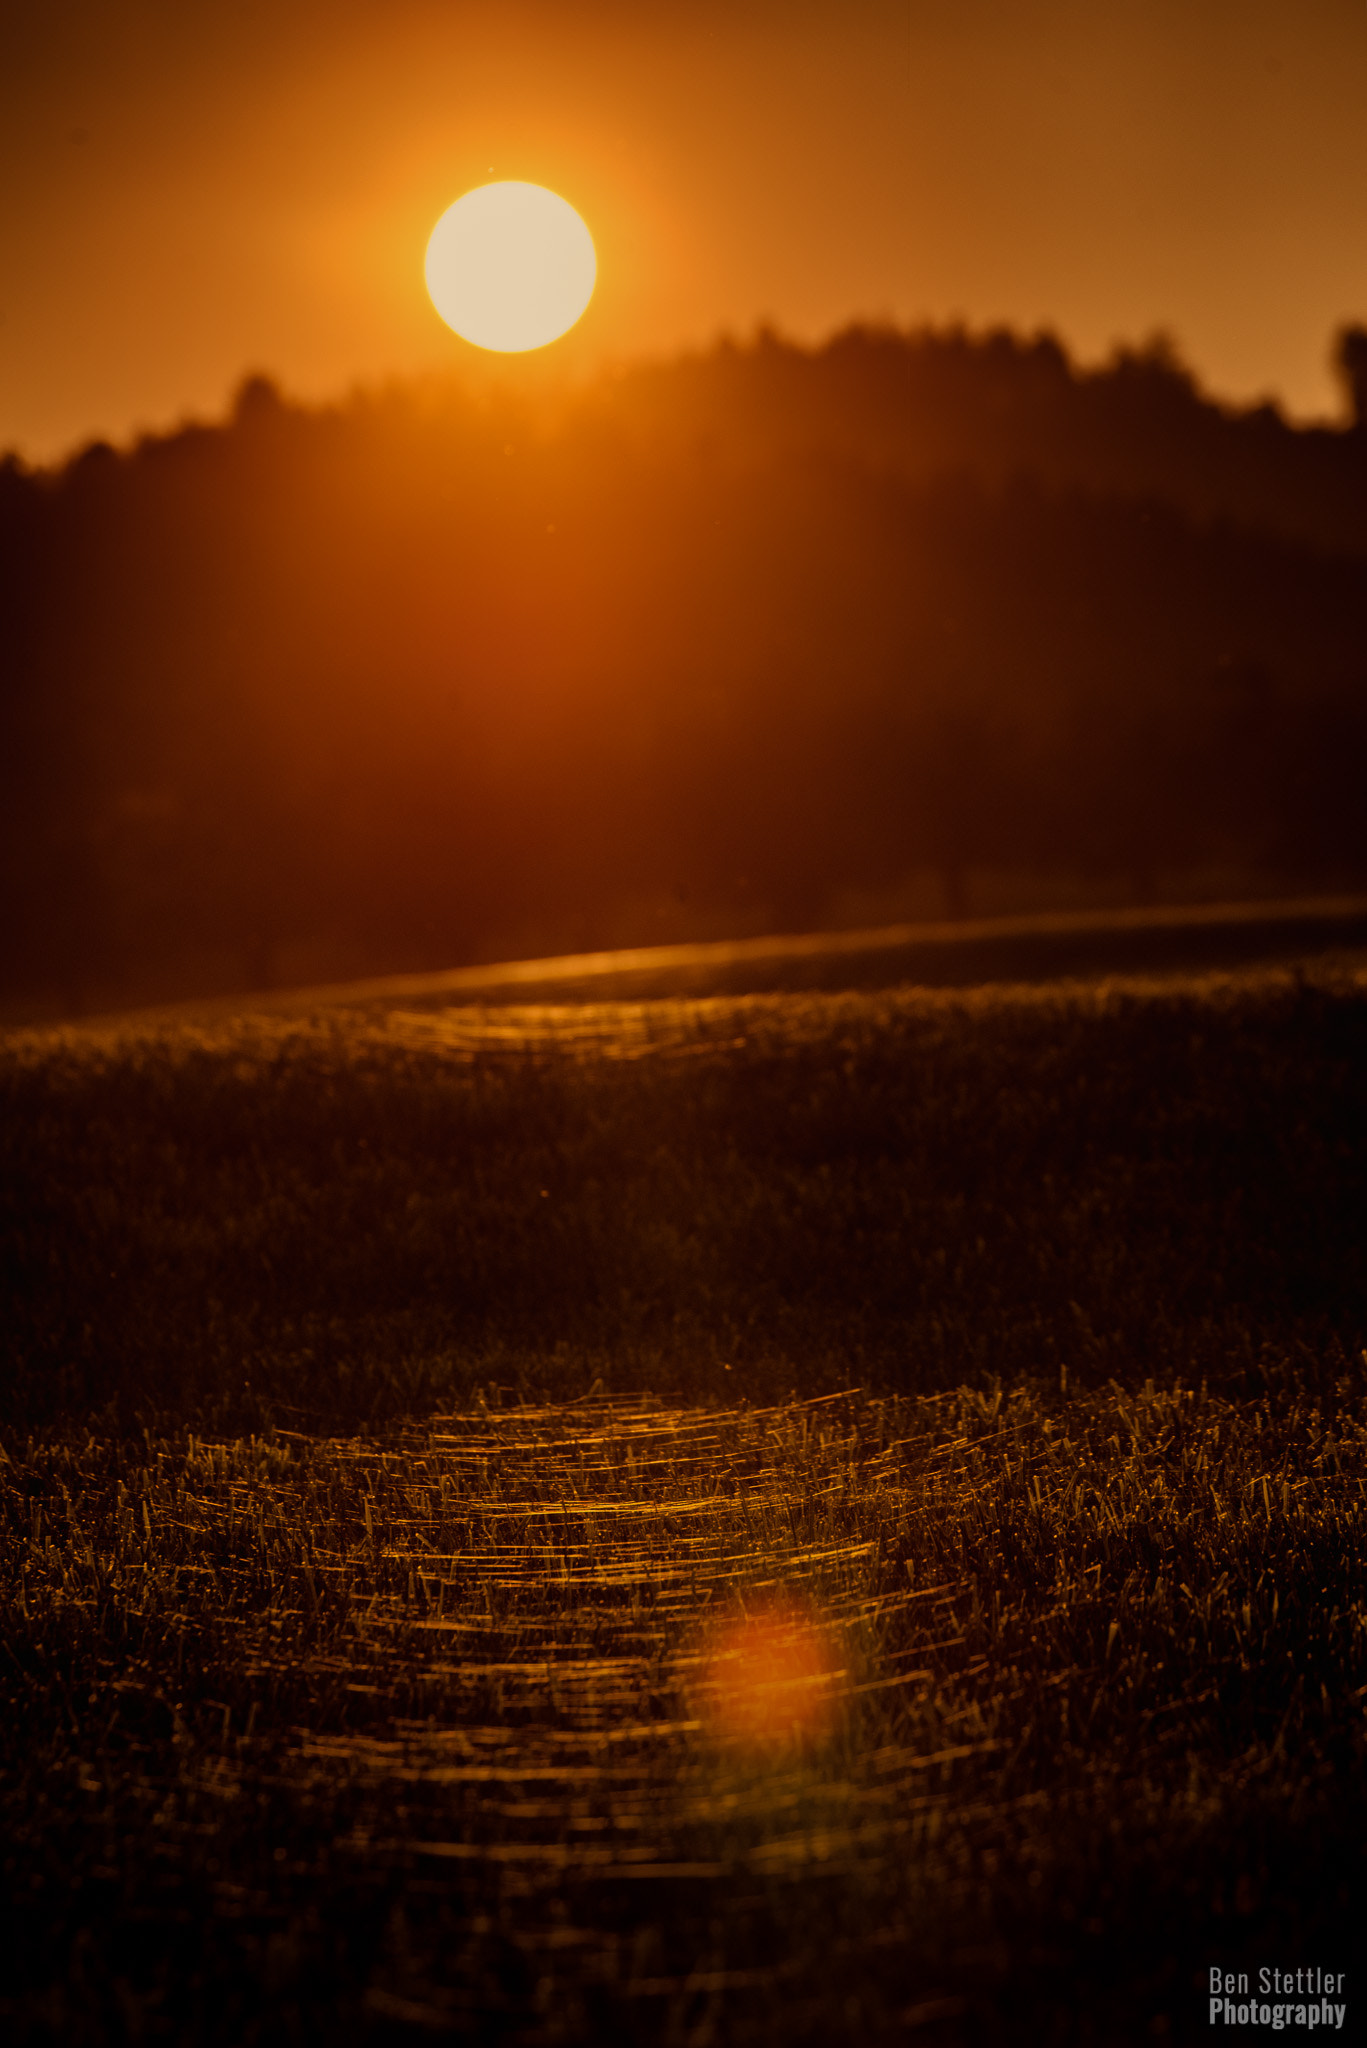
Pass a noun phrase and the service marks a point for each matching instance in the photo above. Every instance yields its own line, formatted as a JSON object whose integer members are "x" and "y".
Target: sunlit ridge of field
{"x": 335, "y": 1219}
{"x": 753, "y": 1519}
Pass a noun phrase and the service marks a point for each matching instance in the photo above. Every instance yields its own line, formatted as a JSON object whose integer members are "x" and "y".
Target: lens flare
{"x": 769, "y": 1678}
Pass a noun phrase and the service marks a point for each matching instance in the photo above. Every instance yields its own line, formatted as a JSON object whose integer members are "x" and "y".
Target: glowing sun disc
{"x": 510, "y": 266}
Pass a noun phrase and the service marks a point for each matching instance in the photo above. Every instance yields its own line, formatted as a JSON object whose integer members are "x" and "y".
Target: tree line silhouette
{"x": 729, "y": 643}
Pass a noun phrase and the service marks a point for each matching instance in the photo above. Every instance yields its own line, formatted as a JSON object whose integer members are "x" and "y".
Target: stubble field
{"x": 767, "y": 1519}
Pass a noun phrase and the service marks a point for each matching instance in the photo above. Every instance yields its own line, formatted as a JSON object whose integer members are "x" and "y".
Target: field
{"x": 756, "y": 1519}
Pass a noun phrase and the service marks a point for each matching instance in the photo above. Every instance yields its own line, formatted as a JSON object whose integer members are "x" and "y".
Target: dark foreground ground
{"x": 450, "y": 1587}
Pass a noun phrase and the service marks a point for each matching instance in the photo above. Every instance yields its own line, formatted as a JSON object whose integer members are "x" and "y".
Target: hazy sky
{"x": 193, "y": 188}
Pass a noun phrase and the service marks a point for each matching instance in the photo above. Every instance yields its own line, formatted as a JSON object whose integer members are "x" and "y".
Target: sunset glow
{"x": 510, "y": 266}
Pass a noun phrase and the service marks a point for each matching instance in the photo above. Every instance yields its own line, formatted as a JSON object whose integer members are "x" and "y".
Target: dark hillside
{"x": 1000, "y": 403}
{"x": 410, "y": 683}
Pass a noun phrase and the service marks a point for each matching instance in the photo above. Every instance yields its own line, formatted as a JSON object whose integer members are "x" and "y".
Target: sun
{"x": 510, "y": 266}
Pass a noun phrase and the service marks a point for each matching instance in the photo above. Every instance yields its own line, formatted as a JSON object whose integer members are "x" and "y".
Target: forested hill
{"x": 740, "y": 643}
{"x": 998, "y": 404}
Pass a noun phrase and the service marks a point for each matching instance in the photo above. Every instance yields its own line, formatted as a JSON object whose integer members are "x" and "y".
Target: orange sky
{"x": 196, "y": 187}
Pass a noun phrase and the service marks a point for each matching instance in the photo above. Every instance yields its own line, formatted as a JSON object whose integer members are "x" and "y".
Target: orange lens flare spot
{"x": 770, "y": 1678}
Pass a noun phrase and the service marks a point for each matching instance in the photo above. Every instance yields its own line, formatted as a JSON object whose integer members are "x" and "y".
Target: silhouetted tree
{"x": 1350, "y": 360}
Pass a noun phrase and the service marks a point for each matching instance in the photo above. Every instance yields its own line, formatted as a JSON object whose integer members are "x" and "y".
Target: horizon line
{"x": 1160, "y": 345}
